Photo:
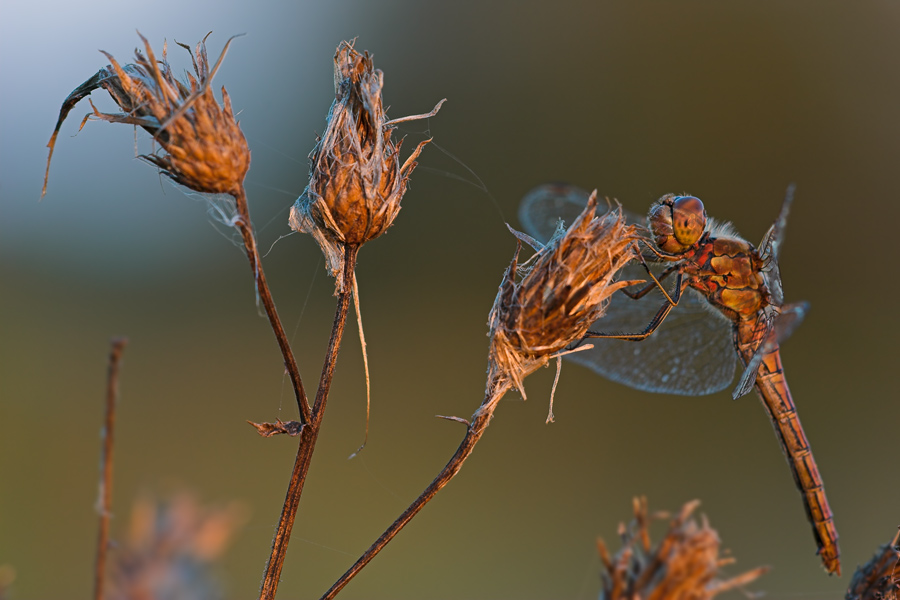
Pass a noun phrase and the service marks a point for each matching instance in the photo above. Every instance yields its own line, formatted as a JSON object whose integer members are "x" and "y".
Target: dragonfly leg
{"x": 655, "y": 322}
{"x": 656, "y": 283}
{"x": 656, "y": 280}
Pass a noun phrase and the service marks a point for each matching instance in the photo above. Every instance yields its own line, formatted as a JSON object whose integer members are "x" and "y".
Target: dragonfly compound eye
{"x": 688, "y": 219}
{"x": 662, "y": 224}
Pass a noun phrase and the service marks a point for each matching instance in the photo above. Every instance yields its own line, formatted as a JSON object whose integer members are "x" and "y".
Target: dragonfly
{"x": 726, "y": 306}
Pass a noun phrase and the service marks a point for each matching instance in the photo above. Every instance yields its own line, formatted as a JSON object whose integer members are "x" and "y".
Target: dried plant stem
{"x": 104, "y": 501}
{"x": 308, "y": 438}
{"x": 290, "y": 364}
{"x": 474, "y": 431}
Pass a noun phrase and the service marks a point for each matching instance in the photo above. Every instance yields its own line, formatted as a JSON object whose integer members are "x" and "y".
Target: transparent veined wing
{"x": 770, "y": 248}
{"x": 544, "y": 206}
{"x": 691, "y": 353}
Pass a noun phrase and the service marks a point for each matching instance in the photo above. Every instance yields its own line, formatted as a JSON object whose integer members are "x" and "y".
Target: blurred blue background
{"x": 727, "y": 101}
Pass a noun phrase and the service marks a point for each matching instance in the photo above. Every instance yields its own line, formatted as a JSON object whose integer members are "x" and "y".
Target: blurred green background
{"x": 729, "y": 101}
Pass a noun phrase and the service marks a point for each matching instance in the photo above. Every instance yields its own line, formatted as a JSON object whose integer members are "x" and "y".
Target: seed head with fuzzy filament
{"x": 555, "y": 300}
{"x": 356, "y": 179}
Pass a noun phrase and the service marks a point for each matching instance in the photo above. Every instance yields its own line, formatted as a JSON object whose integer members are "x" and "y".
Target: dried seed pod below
{"x": 543, "y": 307}
{"x": 356, "y": 179}
{"x": 204, "y": 148}
{"x": 174, "y": 549}
{"x": 878, "y": 579}
{"x": 685, "y": 565}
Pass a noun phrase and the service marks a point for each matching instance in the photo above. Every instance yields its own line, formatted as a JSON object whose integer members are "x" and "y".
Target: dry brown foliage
{"x": 172, "y": 548}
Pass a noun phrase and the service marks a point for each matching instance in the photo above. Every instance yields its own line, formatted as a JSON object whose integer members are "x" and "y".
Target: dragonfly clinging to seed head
{"x": 726, "y": 305}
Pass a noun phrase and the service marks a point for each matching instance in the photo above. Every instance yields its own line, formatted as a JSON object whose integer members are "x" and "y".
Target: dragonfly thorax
{"x": 677, "y": 222}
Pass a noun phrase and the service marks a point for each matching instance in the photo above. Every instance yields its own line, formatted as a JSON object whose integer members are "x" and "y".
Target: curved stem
{"x": 308, "y": 437}
{"x": 265, "y": 295}
{"x": 474, "y": 431}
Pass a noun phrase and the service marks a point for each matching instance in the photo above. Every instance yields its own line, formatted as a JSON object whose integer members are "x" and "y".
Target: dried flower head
{"x": 205, "y": 149}
{"x": 557, "y": 297}
{"x": 683, "y": 566}
{"x": 172, "y": 549}
{"x": 878, "y": 579}
{"x": 356, "y": 179}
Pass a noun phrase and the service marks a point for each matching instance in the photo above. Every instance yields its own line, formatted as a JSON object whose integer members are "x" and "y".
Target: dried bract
{"x": 878, "y": 579}
{"x": 683, "y": 566}
{"x": 291, "y": 428}
{"x": 543, "y": 308}
{"x": 356, "y": 179}
{"x": 205, "y": 149}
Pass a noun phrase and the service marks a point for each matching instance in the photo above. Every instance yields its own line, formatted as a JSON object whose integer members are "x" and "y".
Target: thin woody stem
{"x": 474, "y": 432}
{"x": 308, "y": 437}
{"x": 265, "y": 295}
{"x": 105, "y": 499}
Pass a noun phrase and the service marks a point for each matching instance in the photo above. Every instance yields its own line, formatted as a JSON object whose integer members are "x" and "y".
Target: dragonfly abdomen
{"x": 773, "y": 390}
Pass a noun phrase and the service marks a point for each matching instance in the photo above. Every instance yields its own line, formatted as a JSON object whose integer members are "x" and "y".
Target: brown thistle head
{"x": 683, "y": 566}
{"x": 356, "y": 178}
{"x": 544, "y": 307}
{"x": 204, "y": 148}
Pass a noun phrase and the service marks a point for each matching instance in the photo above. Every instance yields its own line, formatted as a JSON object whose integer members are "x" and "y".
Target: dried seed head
{"x": 356, "y": 179}
{"x": 559, "y": 296}
{"x": 684, "y": 565}
{"x": 205, "y": 149}
{"x": 878, "y": 579}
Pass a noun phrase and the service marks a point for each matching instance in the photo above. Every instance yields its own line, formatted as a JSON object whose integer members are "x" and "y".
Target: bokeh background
{"x": 728, "y": 101}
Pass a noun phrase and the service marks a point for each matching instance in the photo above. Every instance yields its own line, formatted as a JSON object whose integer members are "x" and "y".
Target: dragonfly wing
{"x": 780, "y": 328}
{"x": 772, "y": 241}
{"x": 770, "y": 247}
{"x": 748, "y": 377}
{"x": 773, "y": 281}
{"x": 787, "y": 322}
{"x": 691, "y": 353}
{"x": 544, "y": 206}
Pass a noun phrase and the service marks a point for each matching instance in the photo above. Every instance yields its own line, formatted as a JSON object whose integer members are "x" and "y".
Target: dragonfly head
{"x": 677, "y": 222}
